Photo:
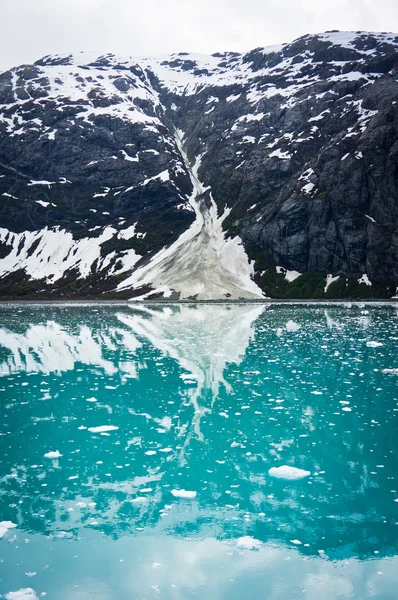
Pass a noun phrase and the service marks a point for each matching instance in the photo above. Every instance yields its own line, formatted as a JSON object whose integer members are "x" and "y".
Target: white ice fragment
{"x": 5, "y": 526}
{"x": 248, "y": 543}
{"x": 22, "y": 594}
{"x": 373, "y": 344}
{"x": 292, "y": 326}
{"x": 55, "y": 454}
{"x": 150, "y": 452}
{"x": 286, "y": 472}
{"x": 183, "y": 494}
{"x": 103, "y": 428}
{"x": 8, "y": 524}
{"x": 390, "y": 371}
{"x": 139, "y": 500}
{"x": 296, "y": 542}
{"x": 3, "y": 531}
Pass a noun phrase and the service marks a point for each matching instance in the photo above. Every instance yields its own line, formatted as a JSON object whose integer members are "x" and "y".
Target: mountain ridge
{"x": 296, "y": 147}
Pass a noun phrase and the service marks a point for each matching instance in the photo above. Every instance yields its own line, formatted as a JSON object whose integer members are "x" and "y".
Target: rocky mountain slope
{"x": 273, "y": 172}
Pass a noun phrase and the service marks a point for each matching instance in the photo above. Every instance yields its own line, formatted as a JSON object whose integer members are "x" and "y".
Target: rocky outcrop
{"x": 295, "y": 150}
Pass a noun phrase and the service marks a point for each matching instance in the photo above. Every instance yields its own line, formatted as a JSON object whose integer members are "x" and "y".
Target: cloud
{"x": 30, "y": 30}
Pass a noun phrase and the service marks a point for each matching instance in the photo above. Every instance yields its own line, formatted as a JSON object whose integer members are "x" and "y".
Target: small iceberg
{"x": 22, "y": 594}
{"x": 183, "y": 494}
{"x": 55, "y": 454}
{"x": 103, "y": 428}
{"x": 5, "y": 526}
{"x": 248, "y": 543}
{"x": 286, "y": 472}
{"x": 291, "y": 326}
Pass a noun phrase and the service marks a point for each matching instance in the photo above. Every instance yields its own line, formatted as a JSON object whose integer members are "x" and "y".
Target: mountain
{"x": 272, "y": 172}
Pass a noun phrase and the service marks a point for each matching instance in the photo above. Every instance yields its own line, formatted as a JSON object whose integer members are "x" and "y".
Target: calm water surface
{"x": 136, "y": 446}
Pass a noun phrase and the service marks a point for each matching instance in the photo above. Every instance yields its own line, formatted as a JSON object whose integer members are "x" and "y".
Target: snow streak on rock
{"x": 202, "y": 263}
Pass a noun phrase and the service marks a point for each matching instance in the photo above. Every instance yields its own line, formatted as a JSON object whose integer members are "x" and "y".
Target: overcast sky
{"x": 31, "y": 29}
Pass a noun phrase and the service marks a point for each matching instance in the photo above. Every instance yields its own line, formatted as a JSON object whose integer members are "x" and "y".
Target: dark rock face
{"x": 299, "y": 142}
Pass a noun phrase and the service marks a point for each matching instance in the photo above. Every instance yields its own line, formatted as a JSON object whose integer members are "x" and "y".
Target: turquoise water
{"x": 133, "y": 405}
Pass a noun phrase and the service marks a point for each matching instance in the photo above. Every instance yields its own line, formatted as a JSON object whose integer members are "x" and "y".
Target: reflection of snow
{"x": 51, "y": 348}
{"x": 203, "y": 339}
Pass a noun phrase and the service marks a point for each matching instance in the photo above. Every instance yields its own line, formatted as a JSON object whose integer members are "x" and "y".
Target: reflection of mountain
{"x": 51, "y": 348}
{"x": 167, "y": 375}
{"x": 203, "y": 340}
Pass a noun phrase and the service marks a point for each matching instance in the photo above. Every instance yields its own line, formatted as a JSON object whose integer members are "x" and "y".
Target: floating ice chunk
{"x": 166, "y": 450}
{"x": 103, "y": 428}
{"x": 183, "y": 494}
{"x": 139, "y": 500}
{"x": 292, "y": 326}
{"x": 296, "y": 542}
{"x": 8, "y": 524}
{"x": 373, "y": 344}
{"x": 55, "y": 454}
{"x": 22, "y": 594}
{"x": 5, "y": 526}
{"x": 248, "y": 543}
{"x": 150, "y": 452}
{"x": 286, "y": 472}
{"x": 91, "y": 399}
{"x": 3, "y": 531}
{"x": 390, "y": 371}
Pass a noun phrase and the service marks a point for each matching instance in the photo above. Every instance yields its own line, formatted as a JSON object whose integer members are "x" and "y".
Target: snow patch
{"x": 329, "y": 280}
{"x": 365, "y": 279}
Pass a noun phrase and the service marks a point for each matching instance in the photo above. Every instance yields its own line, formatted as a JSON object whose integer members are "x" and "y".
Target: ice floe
{"x": 248, "y": 543}
{"x": 103, "y": 428}
{"x": 287, "y": 472}
{"x": 183, "y": 494}
{"x": 22, "y": 594}
{"x": 53, "y": 454}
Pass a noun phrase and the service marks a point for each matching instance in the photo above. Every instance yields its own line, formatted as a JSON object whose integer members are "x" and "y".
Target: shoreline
{"x": 265, "y": 302}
